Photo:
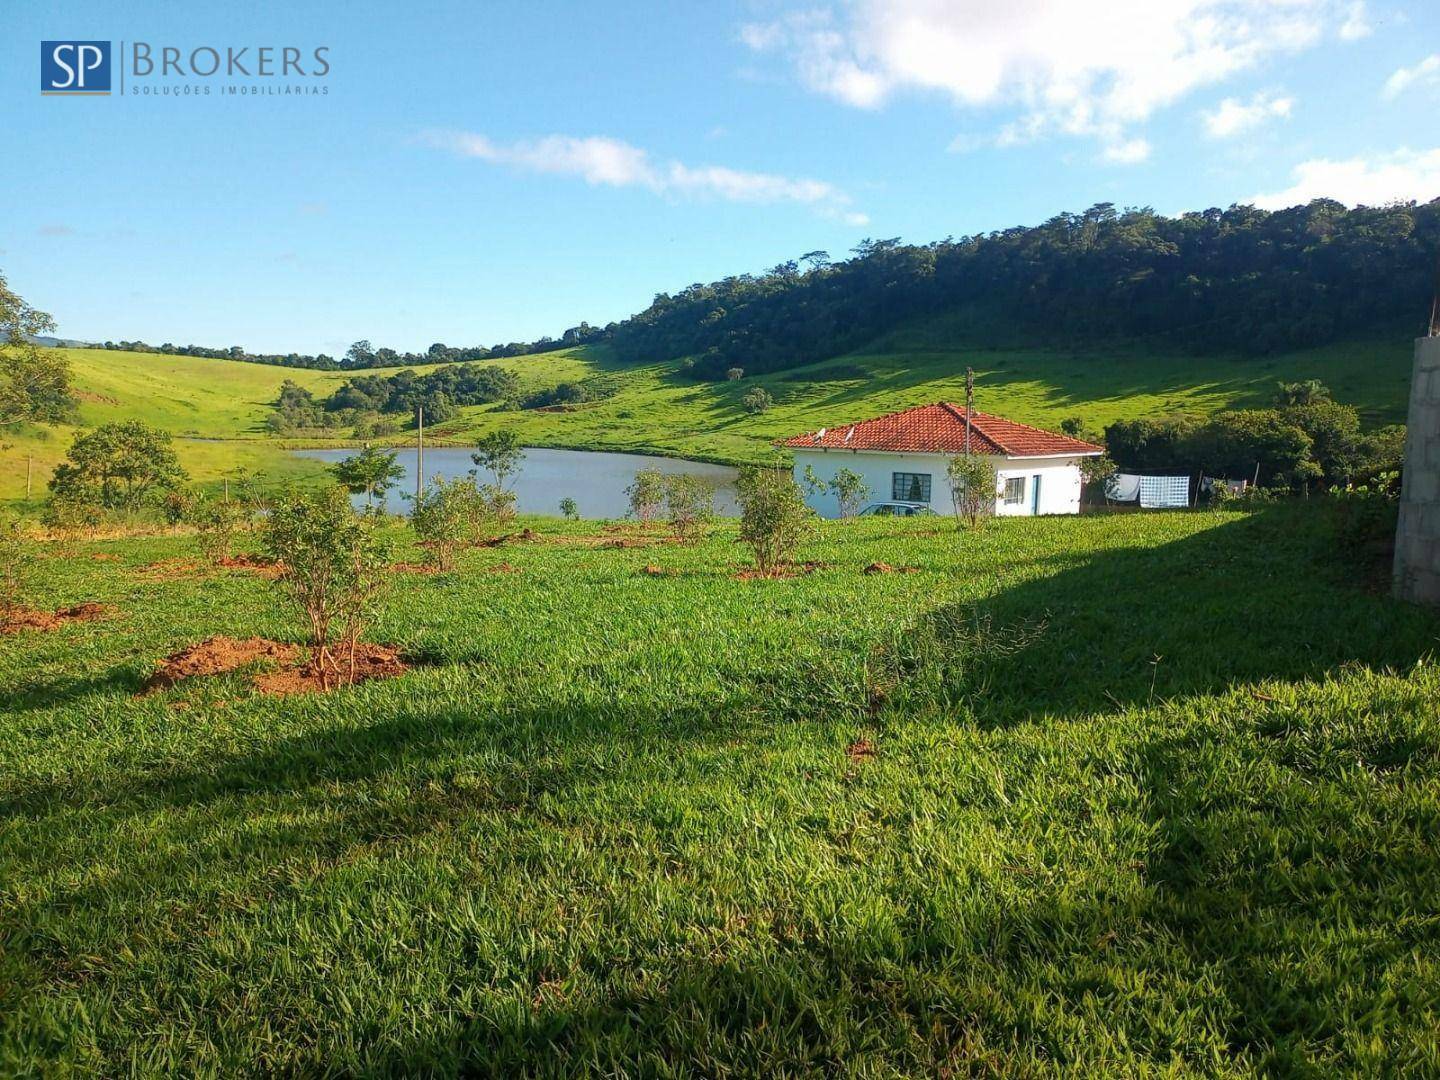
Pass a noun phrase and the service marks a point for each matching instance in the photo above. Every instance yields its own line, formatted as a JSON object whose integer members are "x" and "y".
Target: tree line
{"x": 363, "y": 355}
{"x": 1241, "y": 280}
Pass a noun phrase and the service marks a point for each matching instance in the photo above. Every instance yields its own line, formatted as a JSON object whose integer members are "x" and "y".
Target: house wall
{"x": 1417, "y": 540}
{"x": 1059, "y": 486}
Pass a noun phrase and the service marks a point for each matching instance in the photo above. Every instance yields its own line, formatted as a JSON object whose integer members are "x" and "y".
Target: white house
{"x": 903, "y": 458}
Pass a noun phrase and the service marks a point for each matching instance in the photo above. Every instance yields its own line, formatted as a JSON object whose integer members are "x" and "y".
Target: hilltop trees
{"x": 34, "y": 383}
{"x": 1243, "y": 280}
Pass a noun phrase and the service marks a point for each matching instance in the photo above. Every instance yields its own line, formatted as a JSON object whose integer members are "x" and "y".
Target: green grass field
{"x": 653, "y": 409}
{"x": 1111, "y": 795}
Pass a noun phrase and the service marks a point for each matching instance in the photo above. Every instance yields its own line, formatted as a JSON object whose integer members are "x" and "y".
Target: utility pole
{"x": 969, "y": 404}
{"x": 419, "y": 449}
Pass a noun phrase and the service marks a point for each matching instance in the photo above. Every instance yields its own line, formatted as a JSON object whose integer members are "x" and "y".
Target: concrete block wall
{"x": 1417, "y": 542}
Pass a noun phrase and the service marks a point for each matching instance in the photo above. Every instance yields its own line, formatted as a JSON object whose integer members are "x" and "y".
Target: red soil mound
{"x": 217, "y": 655}
{"x": 293, "y": 668}
{"x": 25, "y": 619}
{"x": 264, "y": 567}
{"x": 371, "y": 662}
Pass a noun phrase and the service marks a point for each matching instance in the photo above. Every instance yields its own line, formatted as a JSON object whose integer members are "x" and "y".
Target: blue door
{"x": 1035, "y": 495}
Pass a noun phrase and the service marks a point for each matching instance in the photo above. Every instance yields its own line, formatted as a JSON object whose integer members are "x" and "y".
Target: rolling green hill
{"x": 216, "y": 408}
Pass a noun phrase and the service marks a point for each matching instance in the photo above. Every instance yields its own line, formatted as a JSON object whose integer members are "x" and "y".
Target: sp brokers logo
{"x": 75, "y": 67}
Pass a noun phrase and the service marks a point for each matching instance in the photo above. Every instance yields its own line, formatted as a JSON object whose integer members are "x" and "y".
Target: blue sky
{"x": 493, "y": 172}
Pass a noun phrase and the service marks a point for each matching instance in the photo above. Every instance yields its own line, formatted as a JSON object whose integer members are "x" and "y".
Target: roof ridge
{"x": 873, "y": 419}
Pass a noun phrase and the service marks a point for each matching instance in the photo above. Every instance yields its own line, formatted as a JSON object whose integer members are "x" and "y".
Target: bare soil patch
{"x": 27, "y": 619}
{"x": 267, "y": 568}
{"x": 502, "y": 568}
{"x": 170, "y": 570}
{"x": 651, "y": 570}
{"x": 415, "y": 568}
{"x": 861, "y": 750}
{"x": 886, "y": 568}
{"x": 292, "y": 668}
{"x": 526, "y": 535}
{"x": 371, "y": 662}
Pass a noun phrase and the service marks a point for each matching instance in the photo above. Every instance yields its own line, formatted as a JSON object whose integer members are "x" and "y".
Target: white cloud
{"x": 1425, "y": 73}
{"x": 1080, "y": 67}
{"x": 1397, "y": 177}
{"x": 1130, "y": 152}
{"x": 603, "y": 161}
{"x": 1235, "y": 117}
{"x": 1356, "y": 24}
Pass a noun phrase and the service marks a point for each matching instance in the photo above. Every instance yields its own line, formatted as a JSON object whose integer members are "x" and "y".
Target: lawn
{"x": 1103, "y": 795}
{"x": 217, "y": 408}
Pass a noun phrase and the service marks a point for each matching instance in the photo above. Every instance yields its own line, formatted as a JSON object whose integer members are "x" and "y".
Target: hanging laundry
{"x": 1164, "y": 492}
{"x": 1123, "y": 487}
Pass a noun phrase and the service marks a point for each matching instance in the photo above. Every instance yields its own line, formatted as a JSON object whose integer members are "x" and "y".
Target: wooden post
{"x": 29, "y": 474}
{"x": 227, "y": 491}
{"x": 969, "y": 404}
{"x": 419, "y": 449}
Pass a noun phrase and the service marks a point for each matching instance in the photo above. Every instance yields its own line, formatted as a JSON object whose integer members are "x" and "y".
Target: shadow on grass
{"x": 1261, "y": 597}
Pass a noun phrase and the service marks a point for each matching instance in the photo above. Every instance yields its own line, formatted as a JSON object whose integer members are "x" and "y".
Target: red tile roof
{"x": 940, "y": 429}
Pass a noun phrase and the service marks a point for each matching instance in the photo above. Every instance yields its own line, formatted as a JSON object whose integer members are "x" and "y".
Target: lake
{"x": 595, "y": 479}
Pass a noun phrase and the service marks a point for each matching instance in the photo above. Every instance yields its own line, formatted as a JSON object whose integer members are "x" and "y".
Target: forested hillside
{"x": 1240, "y": 280}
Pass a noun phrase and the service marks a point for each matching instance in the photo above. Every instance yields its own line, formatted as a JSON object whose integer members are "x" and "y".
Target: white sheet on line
{"x": 1164, "y": 492}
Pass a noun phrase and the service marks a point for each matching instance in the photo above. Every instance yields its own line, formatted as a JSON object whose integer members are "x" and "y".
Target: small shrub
{"x": 972, "y": 487}
{"x": 333, "y": 567}
{"x": 371, "y": 473}
{"x": 689, "y": 503}
{"x": 1365, "y": 519}
{"x": 68, "y": 519}
{"x": 446, "y": 515}
{"x": 569, "y": 510}
{"x": 647, "y": 495}
{"x": 216, "y": 521}
{"x": 850, "y": 491}
{"x": 735, "y": 374}
{"x": 17, "y": 552}
{"x": 499, "y": 453}
{"x": 773, "y": 516}
{"x": 757, "y": 401}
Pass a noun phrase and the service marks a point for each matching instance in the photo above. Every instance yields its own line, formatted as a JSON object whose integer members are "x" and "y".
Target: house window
{"x": 910, "y": 487}
{"x": 1014, "y": 490}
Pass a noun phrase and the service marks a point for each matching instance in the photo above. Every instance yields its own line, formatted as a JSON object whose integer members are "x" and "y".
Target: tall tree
{"x": 119, "y": 467}
{"x": 34, "y": 382}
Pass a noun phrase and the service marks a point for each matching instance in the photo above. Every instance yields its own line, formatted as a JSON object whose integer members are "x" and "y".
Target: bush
{"x": 122, "y": 466}
{"x": 446, "y": 515}
{"x": 500, "y": 454}
{"x": 647, "y": 495}
{"x": 333, "y": 567}
{"x": 371, "y": 473}
{"x": 17, "y": 552}
{"x": 757, "y": 400}
{"x": 569, "y": 510}
{"x": 1365, "y": 519}
{"x": 773, "y": 516}
{"x": 216, "y": 522}
{"x": 689, "y": 503}
{"x": 69, "y": 519}
{"x": 972, "y": 487}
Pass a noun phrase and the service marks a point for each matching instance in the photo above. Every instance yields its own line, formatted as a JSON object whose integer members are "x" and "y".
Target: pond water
{"x": 595, "y": 479}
